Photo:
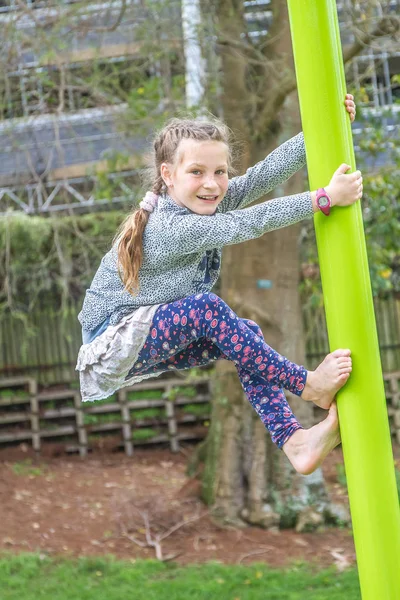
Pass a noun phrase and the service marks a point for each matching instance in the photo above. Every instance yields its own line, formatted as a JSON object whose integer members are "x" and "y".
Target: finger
{"x": 350, "y": 96}
{"x": 351, "y": 109}
{"x": 342, "y": 169}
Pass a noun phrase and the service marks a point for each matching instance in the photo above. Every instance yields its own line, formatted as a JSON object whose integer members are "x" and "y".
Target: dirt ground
{"x": 63, "y": 505}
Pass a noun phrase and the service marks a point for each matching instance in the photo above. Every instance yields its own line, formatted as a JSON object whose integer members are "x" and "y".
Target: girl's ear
{"x": 165, "y": 171}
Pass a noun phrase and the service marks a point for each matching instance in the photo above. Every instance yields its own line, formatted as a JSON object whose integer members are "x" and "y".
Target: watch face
{"x": 323, "y": 201}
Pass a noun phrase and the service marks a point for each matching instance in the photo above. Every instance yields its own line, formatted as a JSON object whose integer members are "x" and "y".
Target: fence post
{"x": 126, "y": 423}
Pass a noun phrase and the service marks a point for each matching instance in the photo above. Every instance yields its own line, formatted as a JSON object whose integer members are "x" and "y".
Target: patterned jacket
{"x": 182, "y": 250}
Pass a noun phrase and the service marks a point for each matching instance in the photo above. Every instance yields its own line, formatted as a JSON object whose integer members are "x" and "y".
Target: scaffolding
{"x": 46, "y": 158}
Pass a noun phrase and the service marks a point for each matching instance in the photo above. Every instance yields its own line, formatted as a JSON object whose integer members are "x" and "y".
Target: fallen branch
{"x": 253, "y": 553}
{"x": 155, "y": 540}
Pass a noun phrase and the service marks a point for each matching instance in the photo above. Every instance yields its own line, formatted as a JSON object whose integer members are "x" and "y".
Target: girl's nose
{"x": 210, "y": 183}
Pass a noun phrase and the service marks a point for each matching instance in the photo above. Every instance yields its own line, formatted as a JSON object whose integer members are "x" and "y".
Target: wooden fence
{"x": 387, "y": 313}
{"x": 167, "y": 410}
{"x": 50, "y": 355}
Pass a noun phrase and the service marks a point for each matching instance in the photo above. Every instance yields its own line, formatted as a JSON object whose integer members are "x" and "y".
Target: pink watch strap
{"x": 325, "y": 205}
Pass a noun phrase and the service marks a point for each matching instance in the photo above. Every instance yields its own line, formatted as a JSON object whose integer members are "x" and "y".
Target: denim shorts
{"x": 89, "y": 336}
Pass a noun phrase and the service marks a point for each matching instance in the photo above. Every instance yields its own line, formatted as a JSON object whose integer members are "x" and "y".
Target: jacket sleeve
{"x": 191, "y": 232}
{"x": 266, "y": 175}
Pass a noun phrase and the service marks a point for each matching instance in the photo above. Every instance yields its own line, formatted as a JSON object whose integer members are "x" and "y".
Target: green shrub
{"x": 145, "y": 395}
{"x": 147, "y": 413}
{"x": 197, "y": 409}
{"x": 144, "y": 434}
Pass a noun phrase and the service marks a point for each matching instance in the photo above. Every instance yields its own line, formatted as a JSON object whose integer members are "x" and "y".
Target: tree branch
{"x": 155, "y": 540}
{"x": 254, "y": 56}
{"x": 44, "y": 24}
{"x": 387, "y": 26}
{"x": 112, "y": 27}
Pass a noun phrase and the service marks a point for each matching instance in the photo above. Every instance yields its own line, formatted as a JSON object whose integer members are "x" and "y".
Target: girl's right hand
{"x": 345, "y": 189}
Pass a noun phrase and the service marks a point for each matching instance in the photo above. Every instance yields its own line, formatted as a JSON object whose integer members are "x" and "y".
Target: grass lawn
{"x": 31, "y": 577}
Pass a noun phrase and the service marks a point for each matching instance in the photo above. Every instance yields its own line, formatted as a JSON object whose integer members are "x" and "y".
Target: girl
{"x": 150, "y": 307}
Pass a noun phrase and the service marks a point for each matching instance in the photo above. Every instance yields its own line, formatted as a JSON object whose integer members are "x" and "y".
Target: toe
{"x": 340, "y": 352}
{"x": 343, "y": 377}
{"x": 344, "y": 360}
{"x": 344, "y": 370}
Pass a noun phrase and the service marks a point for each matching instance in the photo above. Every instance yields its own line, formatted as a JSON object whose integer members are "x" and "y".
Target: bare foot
{"x": 307, "y": 448}
{"x": 323, "y": 383}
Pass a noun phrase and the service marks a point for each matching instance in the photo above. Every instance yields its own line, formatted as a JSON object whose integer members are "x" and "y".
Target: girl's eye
{"x": 196, "y": 172}
{"x": 221, "y": 172}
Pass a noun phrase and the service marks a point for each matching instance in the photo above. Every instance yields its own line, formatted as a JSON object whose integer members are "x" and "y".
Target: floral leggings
{"x": 199, "y": 329}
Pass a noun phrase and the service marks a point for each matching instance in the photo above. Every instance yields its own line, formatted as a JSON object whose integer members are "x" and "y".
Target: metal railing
{"x": 76, "y": 193}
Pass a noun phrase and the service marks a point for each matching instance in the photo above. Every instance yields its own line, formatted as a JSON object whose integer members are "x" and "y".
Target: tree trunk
{"x": 246, "y": 477}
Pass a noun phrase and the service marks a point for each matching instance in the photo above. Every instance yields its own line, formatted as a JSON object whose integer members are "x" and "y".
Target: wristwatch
{"x": 323, "y": 201}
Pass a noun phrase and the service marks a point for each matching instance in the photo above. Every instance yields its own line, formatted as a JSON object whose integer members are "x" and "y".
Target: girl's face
{"x": 199, "y": 178}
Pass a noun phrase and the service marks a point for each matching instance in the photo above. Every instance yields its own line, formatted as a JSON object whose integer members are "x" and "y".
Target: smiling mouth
{"x": 208, "y": 198}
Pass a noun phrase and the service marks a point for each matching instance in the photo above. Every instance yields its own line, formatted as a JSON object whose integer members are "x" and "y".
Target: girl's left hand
{"x": 350, "y": 106}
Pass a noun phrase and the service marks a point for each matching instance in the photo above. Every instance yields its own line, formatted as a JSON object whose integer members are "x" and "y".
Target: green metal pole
{"x": 366, "y": 441}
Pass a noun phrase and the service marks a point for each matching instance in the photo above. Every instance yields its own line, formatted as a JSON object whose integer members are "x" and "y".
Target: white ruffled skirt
{"x": 104, "y": 363}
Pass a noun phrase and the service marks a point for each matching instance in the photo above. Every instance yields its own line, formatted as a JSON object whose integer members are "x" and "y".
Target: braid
{"x": 130, "y": 235}
{"x": 158, "y": 185}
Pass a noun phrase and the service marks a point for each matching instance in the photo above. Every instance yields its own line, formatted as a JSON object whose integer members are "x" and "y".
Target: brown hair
{"x": 130, "y": 234}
